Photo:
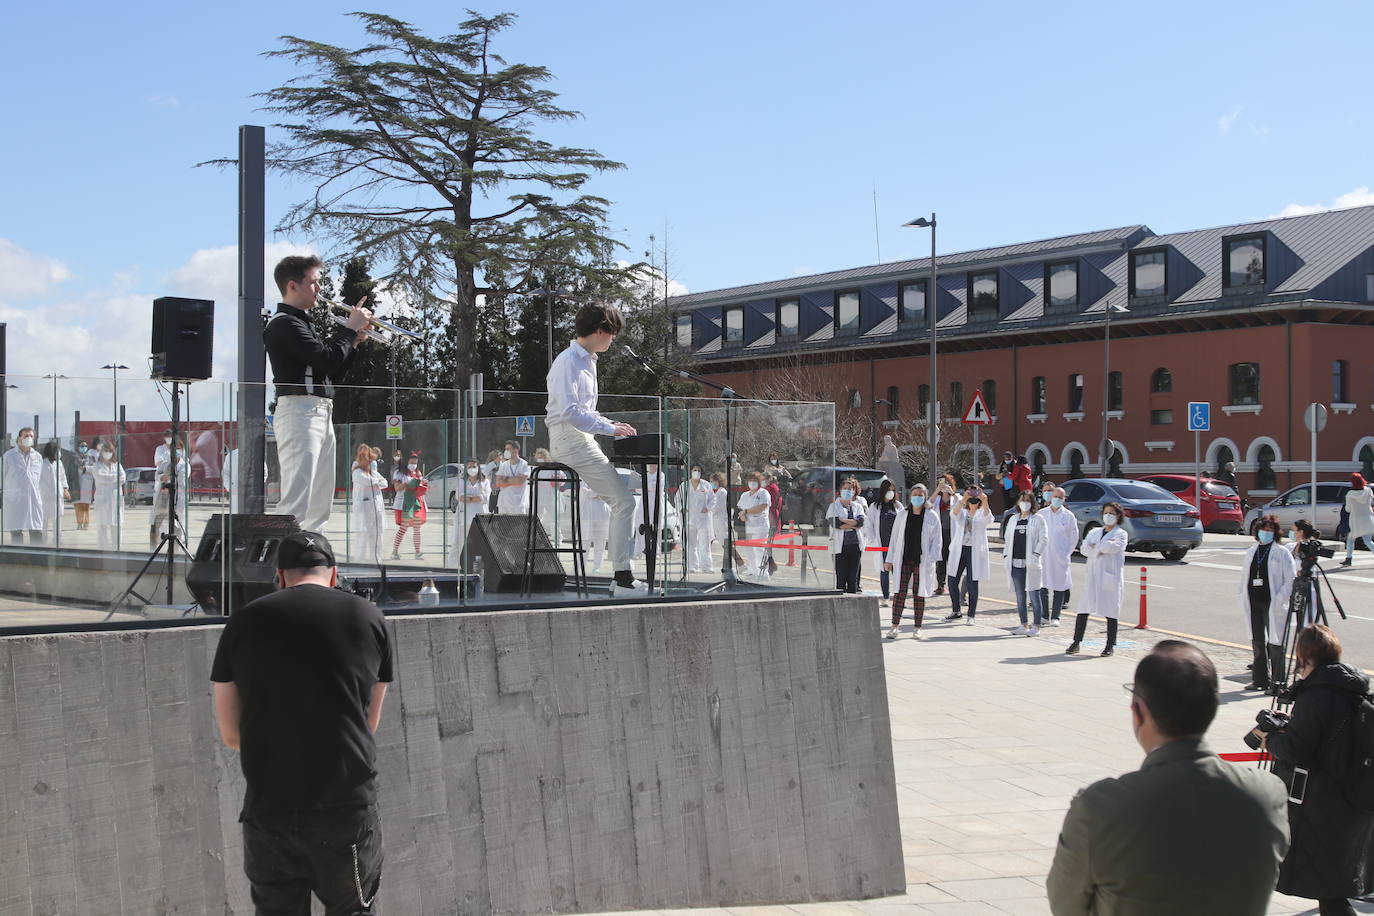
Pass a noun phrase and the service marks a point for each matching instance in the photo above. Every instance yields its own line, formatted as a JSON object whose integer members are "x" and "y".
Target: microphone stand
{"x": 730, "y": 397}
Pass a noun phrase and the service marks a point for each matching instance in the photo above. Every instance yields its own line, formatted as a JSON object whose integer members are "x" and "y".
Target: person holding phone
{"x": 968, "y": 526}
{"x": 1329, "y": 860}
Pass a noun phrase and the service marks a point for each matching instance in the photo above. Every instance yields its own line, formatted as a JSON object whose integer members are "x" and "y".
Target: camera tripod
{"x": 1304, "y": 606}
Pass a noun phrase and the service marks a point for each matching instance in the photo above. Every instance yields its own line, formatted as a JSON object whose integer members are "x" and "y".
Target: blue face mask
{"x": 846, "y": 494}
{"x": 917, "y": 501}
{"x": 1056, "y": 502}
{"x": 1266, "y": 536}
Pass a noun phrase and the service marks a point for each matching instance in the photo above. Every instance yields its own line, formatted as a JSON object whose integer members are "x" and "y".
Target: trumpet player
{"x": 305, "y": 370}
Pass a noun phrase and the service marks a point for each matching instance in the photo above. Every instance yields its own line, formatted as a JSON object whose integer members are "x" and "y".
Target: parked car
{"x": 443, "y": 486}
{"x": 814, "y": 489}
{"x": 140, "y": 485}
{"x": 1156, "y": 520}
{"x": 1296, "y": 504}
{"x": 1221, "y": 509}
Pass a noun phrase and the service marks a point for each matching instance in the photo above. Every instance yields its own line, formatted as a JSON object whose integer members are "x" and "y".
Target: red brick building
{"x": 1259, "y": 319}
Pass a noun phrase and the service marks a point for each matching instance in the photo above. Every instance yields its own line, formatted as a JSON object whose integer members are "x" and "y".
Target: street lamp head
{"x": 114, "y": 366}
{"x": 921, "y": 222}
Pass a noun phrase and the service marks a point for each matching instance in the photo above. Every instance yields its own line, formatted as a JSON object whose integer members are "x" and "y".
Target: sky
{"x": 757, "y": 137}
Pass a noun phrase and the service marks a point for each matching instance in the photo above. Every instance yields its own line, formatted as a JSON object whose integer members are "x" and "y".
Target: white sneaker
{"x": 1033, "y": 631}
{"x": 968, "y": 621}
{"x": 917, "y": 634}
{"x": 637, "y": 590}
{"x": 893, "y": 633}
{"x": 1053, "y": 623}
{"x": 1020, "y": 631}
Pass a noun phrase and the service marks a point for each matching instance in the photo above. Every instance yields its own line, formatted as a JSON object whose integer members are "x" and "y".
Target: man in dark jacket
{"x": 1330, "y": 857}
{"x": 1187, "y": 832}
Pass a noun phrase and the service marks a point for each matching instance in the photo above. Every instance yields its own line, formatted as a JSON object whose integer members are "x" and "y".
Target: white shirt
{"x": 514, "y": 500}
{"x": 573, "y": 392}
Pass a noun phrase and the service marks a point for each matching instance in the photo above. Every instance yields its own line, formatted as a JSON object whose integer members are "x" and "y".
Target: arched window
{"x": 892, "y": 402}
{"x": 1038, "y": 459}
{"x": 1115, "y": 390}
{"x": 1037, "y": 398}
{"x": 1339, "y": 388}
{"x": 923, "y": 402}
{"x": 1224, "y": 454}
{"x": 990, "y": 395}
{"x": 1162, "y": 381}
{"x": 1076, "y": 459}
{"x": 1367, "y": 462}
{"x": 1114, "y": 463}
{"x": 1265, "y": 479}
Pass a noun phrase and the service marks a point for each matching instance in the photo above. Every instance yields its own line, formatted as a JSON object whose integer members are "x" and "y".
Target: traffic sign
{"x": 524, "y": 426}
{"x": 1199, "y": 416}
{"x": 977, "y": 412}
{"x": 393, "y": 426}
{"x": 1314, "y": 418}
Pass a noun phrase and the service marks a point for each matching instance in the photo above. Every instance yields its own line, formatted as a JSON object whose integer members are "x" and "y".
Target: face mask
{"x": 696, "y": 475}
{"x": 509, "y": 454}
{"x": 472, "y": 472}
{"x": 82, "y": 449}
{"x": 846, "y": 494}
{"x": 889, "y": 496}
{"x": 166, "y": 440}
{"x": 413, "y": 465}
{"x": 106, "y": 455}
{"x": 1293, "y": 534}
{"x": 1266, "y": 536}
{"x": 1025, "y": 507}
{"x": 372, "y": 465}
{"x": 1108, "y": 519}
{"x": 774, "y": 462}
{"x": 917, "y": 501}
{"x": 1056, "y": 501}
{"x": 714, "y": 485}
{"x": 26, "y": 441}
{"x": 753, "y": 484}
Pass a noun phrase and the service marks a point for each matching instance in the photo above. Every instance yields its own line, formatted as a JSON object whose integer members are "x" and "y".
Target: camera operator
{"x": 1306, "y": 548}
{"x": 1329, "y": 859}
{"x": 1265, "y": 586}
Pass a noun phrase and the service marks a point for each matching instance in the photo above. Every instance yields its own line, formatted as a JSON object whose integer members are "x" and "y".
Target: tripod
{"x": 169, "y": 540}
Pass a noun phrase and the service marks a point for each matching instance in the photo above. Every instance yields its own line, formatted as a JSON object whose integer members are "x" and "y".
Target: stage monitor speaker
{"x": 237, "y": 560}
{"x": 499, "y": 540}
{"x": 183, "y": 339}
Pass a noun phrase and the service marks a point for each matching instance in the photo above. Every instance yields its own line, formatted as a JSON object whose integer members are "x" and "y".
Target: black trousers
{"x": 1259, "y": 622}
{"x": 335, "y": 853}
{"x": 847, "y": 564}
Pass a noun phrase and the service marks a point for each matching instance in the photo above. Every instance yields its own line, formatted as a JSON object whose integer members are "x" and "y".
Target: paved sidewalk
{"x": 992, "y": 736}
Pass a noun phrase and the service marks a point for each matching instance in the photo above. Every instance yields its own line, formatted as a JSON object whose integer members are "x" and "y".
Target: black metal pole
{"x": 252, "y": 395}
{"x": 172, "y": 492}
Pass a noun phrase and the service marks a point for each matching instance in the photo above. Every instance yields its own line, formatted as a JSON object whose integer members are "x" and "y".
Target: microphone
{"x": 636, "y": 357}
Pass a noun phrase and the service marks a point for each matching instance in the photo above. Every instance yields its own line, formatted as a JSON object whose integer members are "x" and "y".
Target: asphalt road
{"x": 1199, "y": 596}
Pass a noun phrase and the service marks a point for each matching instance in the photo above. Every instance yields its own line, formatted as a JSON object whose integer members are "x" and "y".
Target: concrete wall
{"x": 539, "y": 761}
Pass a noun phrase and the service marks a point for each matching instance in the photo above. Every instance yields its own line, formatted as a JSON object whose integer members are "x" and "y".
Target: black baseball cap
{"x": 304, "y": 549}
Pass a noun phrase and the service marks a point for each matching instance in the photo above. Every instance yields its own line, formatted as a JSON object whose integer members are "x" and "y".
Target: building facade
{"x": 1259, "y": 319}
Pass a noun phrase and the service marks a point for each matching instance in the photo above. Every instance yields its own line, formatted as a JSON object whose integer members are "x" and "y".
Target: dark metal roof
{"x": 1124, "y": 236}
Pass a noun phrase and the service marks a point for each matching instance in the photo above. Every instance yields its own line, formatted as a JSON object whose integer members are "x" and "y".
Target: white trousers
{"x": 579, "y": 451}
{"x": 304, "y": 425}
{"x": 367, "y": 530}
{"x": 701, "y": 540}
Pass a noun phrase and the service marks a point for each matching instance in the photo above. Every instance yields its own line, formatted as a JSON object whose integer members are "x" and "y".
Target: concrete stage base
{"x": 560, "y": 761}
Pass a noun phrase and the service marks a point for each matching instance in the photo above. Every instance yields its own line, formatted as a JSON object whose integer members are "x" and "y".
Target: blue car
{"x": 1156, "y": 520}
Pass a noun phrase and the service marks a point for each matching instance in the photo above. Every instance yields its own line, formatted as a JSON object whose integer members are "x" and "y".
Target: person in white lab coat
{"x": 1023, "y": 545}
{"x": 55, "y": 491}
{"x": 719, "y": 524}
{"x": 107, "y": 500}
{"x": 752, "y": 507}
{"x": 23, "y": 504}
{"x": 846, "y": 517}
{"x": 968, "y": 550}
{"x": 1061, "y": 538}
{"x": 157, "y": 512}
{"x": 596, "y": 526}
{"x": 1105, "y": 548}
{"x": 553, "y": 514}
{"x": 85, "y": 484}
{"x": 1359, "y": 506}
{"x": 1266, "y": 584}
{"x": 474, "y": 499}
{"x": 878, "y": 525}
{"x": 694, "y": 507}
{"x": 913, "y": 555}
{"x": 367, "y": 511}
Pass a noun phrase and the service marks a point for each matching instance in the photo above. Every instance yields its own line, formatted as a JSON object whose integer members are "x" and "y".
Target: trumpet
{"x": 379, "y": 329}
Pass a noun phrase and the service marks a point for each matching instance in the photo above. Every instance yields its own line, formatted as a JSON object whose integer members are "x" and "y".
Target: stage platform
{"x": 639, "y": 756}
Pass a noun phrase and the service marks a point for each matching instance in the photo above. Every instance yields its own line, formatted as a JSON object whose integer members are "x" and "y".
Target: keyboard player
{"x": 574, "y": 423}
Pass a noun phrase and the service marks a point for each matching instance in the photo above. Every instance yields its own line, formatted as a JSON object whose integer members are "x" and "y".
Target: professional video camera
{"x": 1310, "y": 549}
{"x": 1268, "y": 721}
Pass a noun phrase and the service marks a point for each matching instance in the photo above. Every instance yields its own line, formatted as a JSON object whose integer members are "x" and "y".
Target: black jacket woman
{"x": 1329, "y": 859}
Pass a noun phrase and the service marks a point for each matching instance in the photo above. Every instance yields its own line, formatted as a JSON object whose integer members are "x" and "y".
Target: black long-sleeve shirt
{"x": 301, "y": 362}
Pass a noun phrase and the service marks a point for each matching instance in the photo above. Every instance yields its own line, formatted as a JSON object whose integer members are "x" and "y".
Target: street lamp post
{"x": 549, "y": 295}
{"x": 873, "y": 428}
{"x": 54, "y": 376}
{"x": 932, "y": 313}
{"x": 114, "y": 405}
{"x": 1105, "y": 445}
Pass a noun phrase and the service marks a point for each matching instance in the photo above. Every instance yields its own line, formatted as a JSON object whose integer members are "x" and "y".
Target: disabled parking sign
{"x": 1199, "y": 416}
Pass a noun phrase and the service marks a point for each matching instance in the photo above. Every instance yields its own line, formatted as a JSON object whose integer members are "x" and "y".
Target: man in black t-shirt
{"x": 300, "y": 676}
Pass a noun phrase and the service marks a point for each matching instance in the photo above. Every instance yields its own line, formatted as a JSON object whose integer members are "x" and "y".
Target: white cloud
{"x": 23, "y": 273}
{"x": 1228, "y": 120}
{"x": 166, "y": 101}
{"x": 1359, "y": 197}
{"x": 651, "y": 280}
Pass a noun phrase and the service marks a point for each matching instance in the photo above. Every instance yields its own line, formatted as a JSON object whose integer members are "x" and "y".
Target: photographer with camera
{"x": 1265, "y": 587}
{"x": 1306, "y": 548}
{"x": 1329, "y": 859}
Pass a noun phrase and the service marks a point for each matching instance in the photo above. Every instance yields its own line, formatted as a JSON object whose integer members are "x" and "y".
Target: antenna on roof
{"x": 877, "y": 239}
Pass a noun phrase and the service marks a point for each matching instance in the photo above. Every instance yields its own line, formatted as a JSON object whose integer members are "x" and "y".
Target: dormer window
{"x": 733, "y": 322}
{"x": 788, "y": 318}
{"x": 982, "y": 294}
{"x": 1061, "y": 284}
{"x": 1244, "y": 261}
{"x": 847, "y": 313}
{"x": 684, "y": 332}
{"x": 1149, "y": 274}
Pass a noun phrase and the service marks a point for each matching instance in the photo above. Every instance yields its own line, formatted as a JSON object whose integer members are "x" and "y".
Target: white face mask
{"x": 753, "y": 484}
{"x": 509, "y": 454}
{"x": 696, "y": 475}
{"x": 413, "y": 465}
{"x": 1108, "y": 519}
{"x": 372, "y": 465}
{"x": 106, "y": 455}
{"x": 472, "y": 472}
{"x": 889, "y": 496}
{"x": 846, "y": 494}
{"x": 1025, "y": 507}
{"x": 26, "y": 441}
{"x": 166, "y": 440}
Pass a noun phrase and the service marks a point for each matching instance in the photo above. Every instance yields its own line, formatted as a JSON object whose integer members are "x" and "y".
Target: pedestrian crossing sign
{"x": 524, "y": 426}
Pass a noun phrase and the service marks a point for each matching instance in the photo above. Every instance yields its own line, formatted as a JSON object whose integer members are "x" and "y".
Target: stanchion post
{"x": 1144, "y": 623}
{"x": 792, "y": 544}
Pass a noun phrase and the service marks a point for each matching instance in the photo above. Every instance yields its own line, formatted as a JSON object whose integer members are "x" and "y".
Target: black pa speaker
{"x": 183, "y": 339}
{"x": 237, "y": 560}
{"x": 499, "y": 540}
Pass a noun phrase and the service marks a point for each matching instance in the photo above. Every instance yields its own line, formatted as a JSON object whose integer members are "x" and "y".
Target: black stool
{"x": 554, "y": 472}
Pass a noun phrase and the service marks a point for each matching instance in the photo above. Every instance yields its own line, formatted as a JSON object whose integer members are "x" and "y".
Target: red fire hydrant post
{"x": 1144, "y": 623}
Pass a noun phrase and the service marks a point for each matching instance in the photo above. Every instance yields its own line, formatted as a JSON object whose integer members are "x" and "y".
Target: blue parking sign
{"x": 1199, "y": 416}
